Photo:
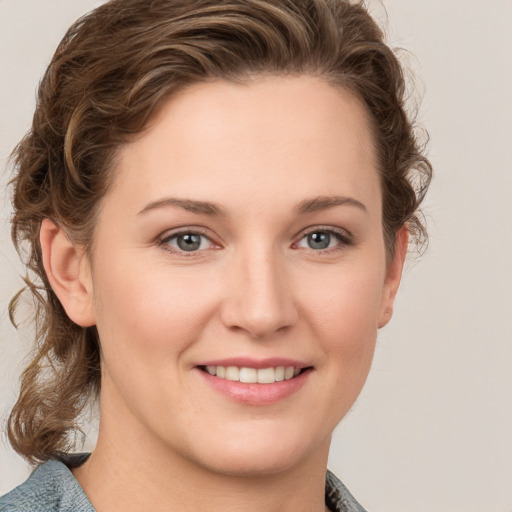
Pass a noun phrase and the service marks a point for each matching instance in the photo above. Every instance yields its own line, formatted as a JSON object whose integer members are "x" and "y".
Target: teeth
{"x": 266, "y": 376}
{"x": 232, "y": 373}
{"x": 249, "y": 375}
{"x": 288, "y": 372}
{"x": 279, "y": 373}
{"x": 252, "y": 375}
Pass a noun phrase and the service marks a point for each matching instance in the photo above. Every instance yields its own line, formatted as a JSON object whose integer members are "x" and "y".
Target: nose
{"x": 258, "y": 299}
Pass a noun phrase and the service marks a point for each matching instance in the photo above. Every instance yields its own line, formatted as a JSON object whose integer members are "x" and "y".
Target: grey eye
{"x": 319, "y": 240}
{"x": 188, "y": 242}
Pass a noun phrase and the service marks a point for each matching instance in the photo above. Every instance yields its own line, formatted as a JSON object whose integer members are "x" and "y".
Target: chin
{"x": 251, "y": 465}
{"x": 261, "y": 454}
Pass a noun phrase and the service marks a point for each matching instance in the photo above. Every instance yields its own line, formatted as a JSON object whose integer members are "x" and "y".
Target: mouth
{"x": 248, "y": 375}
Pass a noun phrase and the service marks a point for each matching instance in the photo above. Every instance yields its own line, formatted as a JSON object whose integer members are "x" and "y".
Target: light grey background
{"x": 433, "y": 428}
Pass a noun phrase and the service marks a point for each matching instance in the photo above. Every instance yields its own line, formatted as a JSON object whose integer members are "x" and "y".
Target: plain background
{"x": 433, "y": 428}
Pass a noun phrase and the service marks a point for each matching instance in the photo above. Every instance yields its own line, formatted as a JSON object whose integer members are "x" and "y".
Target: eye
{"x": 188, "y": 241}
{"x": 322, "y": 239}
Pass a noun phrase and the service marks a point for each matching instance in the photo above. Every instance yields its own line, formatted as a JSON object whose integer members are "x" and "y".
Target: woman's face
{"x": 242, "y": 235}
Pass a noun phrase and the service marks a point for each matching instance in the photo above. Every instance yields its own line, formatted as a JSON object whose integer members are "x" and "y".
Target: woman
{"x": 217, "y": 198}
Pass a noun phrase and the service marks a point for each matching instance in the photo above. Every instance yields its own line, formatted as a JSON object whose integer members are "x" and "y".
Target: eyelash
{"x": 166, "y": 238}
{"x": 343, "y": 237}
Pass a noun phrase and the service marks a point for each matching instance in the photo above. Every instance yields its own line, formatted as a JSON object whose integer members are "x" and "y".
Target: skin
{"x": 255, "y": 288}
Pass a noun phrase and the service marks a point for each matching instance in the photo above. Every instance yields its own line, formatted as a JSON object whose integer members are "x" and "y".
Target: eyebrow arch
{"x": 200, "y": 207}
{"x": 209, "y": 208}
{"x": 325, "y": 202}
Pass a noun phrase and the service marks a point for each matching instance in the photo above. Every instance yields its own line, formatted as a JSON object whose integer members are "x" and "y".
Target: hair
{"x": 113, "y": 69}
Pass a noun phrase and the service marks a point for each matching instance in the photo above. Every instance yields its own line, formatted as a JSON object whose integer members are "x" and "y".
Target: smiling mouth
{"x": 252, "y": 375}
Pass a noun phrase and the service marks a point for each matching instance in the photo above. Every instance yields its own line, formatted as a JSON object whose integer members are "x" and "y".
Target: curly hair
{"x": 113, "y": 69}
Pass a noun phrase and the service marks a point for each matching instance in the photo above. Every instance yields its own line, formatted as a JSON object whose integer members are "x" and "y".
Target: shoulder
{"x": 50, "y": 488}
{"x": 338, "y": 498}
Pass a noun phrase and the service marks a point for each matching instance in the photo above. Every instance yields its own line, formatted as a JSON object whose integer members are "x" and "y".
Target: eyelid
{"x": 328, "y": 229}
{"x": 345, "y": 237}
{"x": 163, "y": 240}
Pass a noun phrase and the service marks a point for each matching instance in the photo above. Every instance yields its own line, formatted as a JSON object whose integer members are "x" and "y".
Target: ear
{"x": 393, "y": 276}
{"x": 68, "y": 272}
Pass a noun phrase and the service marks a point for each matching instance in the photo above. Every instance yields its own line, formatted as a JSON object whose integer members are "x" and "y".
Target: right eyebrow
{"x": 200, "y": 207}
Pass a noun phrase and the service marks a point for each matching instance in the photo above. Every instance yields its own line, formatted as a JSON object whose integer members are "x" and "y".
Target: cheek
{"x": 347, "y": 301}
{"x": 147, "y": 318}
{"x": 344, "y": 315}
{"x": 151, "y": 311}
{"x": 349, "y": 333}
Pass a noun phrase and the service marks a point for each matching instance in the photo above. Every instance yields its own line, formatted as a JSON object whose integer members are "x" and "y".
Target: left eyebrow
{"x": 324, "y": 202}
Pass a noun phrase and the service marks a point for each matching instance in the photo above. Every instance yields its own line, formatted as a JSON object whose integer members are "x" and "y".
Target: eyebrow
{"x": 324, "y": 202}
{"x": 200, "y": 207}
{"x": 209, "y": 208}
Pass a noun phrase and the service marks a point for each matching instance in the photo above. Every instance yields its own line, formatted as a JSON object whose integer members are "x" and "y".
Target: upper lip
{"x": 249, "y": 362}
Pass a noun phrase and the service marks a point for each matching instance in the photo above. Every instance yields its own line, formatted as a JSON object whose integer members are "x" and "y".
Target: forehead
{"x": 268, "y": 135}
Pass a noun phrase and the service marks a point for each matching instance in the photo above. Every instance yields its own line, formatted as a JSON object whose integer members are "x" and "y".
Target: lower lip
{"x": 256, "y": 394}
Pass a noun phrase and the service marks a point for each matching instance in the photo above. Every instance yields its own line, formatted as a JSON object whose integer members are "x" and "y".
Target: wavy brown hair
{"x": 110, "y": 73}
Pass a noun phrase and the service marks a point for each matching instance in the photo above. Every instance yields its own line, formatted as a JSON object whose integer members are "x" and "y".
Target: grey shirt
{"x": 53, "y": 488}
